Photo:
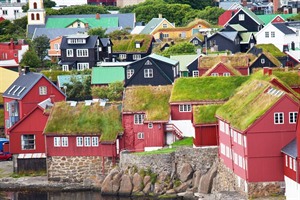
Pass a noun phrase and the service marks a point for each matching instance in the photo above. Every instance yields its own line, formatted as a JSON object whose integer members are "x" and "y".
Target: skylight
{"x": 11, "y": 89}
{"x": 16, "y": 90}
{"x": 21, "y": 91}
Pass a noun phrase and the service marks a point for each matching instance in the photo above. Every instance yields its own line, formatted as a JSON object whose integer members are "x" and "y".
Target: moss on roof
{"x": 188, "y": 27}
{"x": 1, "y": 117}
{"x": 205, "y": 114}
{"x": 128, "y": 45}
{"x": 205, "y": 88}
{"x": 85, "y": 120}
{"x": 273, "y": 59}
{"x": 1, "y": 98}
{"x": 271, "y": 48}
{"x": 291, "y": 77}
{"x": 153, "y": 100}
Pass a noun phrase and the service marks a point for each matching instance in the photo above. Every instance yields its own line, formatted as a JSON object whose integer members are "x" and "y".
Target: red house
{"x": 254, "y": 125}
{"x": 25, "y": 93}
{"x": 221, "y": 69}
{"x": 13, "y": 50}
{"x": 145, "y": 118}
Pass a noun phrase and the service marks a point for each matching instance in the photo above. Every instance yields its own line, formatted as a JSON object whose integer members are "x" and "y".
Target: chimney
{"x": 270, "y": 71}
{"x": 244, "y": 3}
{"x": 86, "y": 25}
{"x": 159, "y": 15}
{"x": 97, "y": 16}
{"x": 21, "y": 41}
{"x": 11, "y": 43}
{"x": 26, "y": 70}
{"x": 265, "y": 70}
{"x": 275, "y": 6}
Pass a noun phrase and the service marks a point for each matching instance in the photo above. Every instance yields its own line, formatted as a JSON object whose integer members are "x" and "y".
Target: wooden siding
{"x": 206, "y": 135}
{"x": 177, "y": 115}
{"x": 32, "y": 164}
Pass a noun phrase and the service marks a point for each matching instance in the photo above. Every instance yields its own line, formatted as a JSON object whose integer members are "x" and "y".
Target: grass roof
{"x": 188, "y": 27}
{"x": 205, "y": 88}
{"x": 271, "y": 48}
{"x": 233, "y": 70}
{"x": 205, "y": 114}
{"x": 128, "y": 45}
{"x": 153, "y": 100}
{"x": 85, "y": 120}
{"x": 248, "y": 104}
{"x": 291, "y": 78}
{"x": 1, "y": 118}
{"x": 1, "y": 98}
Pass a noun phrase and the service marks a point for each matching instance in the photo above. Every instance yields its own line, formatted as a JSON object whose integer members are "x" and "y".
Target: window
{"x": 82, "y": 53}
{"x": 227, "y": 151}
{"x": 28, "y": 142}
{"x": 56, "y": 46}
{"x": 214, "y": 74}
{"x": 195, "y": 42}
{"x": 87, "y": 141}
{"x": 286, "y": 161}
{"x": 226, "y": 74}
{"x": 56, "y": 141}
{"x": 4, "y": 12}
{"x": 65, "y": 67}
{"x": 136, "y": 56}
{"x": 165, "y": 25}
{"x": 82, "y": 66}
{"x": 245, "y": 141}
{"x": 222, "y": 127}
{"x": 239, "y": 139}
{"x": 43, "y": 90}
{"x": 166, "y": 35}
{"x": 240, "y": 161}
{"x": 69, "y": 52}
{"x": 76, "y": 41}
{"x": 291, "y": 162}
{"x": 140, "y": 135}
{"x": 267, "y": 34}
{"x": 278, "y": 118}
{"x": 139, "y": 118}
{"x": 148, "y": 62}
{"x": 272, "y": 34}
{"x": 235, "y": 158}
{"x": 241, "y": 17}
{"x": 150, "y": 125}
{"x": 130, "y": 72}
{"x": 15, "y": 55}
{"x": 222, "y": 149}
{"x": 34, "y": 5}
{"x": 294, "y": 164}
{"x": 122, "y": 56}
{"x": 235, "y": 136}
{"x": 262, "y": 61}
{"x": 32, "y": 16}
{"x": 226, "y": 128}
{"x": 195, "y": 73}
{"x": 185, "y": 108}
{"x": 37, "y": 16}
{"x": 148, "y": 73}
{"x": 95, "y": 141}
{"x": 64, "y": 141}
{"x": 293, "y": 117}
{"x": 79, "y": 141}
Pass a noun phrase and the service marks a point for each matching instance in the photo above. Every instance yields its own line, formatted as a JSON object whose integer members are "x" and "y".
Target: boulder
{"x": 171, "y": 191}
{"x": 182, "y": 188}
{"x": 137, "y": 181}
{"x": 206, "y": 181}
{"x": 111, "y": 183}
{"x": 196, "y": 180}
{"x": 163, "y": 176}
{"x": 186, "y": 172}
{"x": 147, "y": 188}
{"x": 147, "y": 180}
{"x": 159, "y": 188}
{"x": 125, "y": 186}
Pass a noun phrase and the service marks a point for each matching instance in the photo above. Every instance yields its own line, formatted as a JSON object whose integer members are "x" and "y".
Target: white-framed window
{"x": 4, "y": 12}
{"x": 195, "y": 73}
{"x": 272, "y": 34}
{"x": 82, "y": 52}
{"x": 291, "y": 162}
{"x": 136, "y": 56}
{"x": 43, "y": 90}
{"x": 286, "y": 161}
{"x": 222, "y": 148}
{"x": 214, "y": 74}
{"x": 227, "y": 152}
{"x": 165, "y": 35}
{"x": 294, "y": 164}
{"x": 235, "y": 136}
{"x": 28, "y": 142}
{"x": 150, "y": 125}
{"x": 87, "y": 141}
{"x": 239, "y": 139}
{"x": 82, "y": 66}
{"x": 76, "y": 41}
{"x": 195, "y": 42}
{"x": 278, "y": 118}
{"x": 293, "y": 117}
{"x": 79, "y": 141}
{"x": 227, "y": 128}
{"x": 222, "y": 126}
{"x": 226, "y": 74}
{"x": 262, "y": 61}
{"x": 95, "y": 141}
{"x": 148, "y": 73}
{"x": 231, "y": 132}
{"x": 57, "y": 142}
{"x": 235, "y": 158}
{"x": 240, "y": 161}
{"x": 129, "y": 73}
{"x": 122, "y": 56}
{"x": 64, "y": 141}
{"x": 241, "y": 17}
{"x": 140, "y": 135}
{"x": 56, "y": 46}
{"x": 165, "y": 25}
{"x": 245, "y": 141}
{"x": 65, "y": 67}
{"x": 139, "y": 118}
{"x": 267, "y": 34}
{"x": 185, "y": 108}
{"x": 69, "y": 52}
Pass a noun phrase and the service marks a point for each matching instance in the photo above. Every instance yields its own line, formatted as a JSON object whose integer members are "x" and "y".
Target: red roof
{"x": 226, "y": 16}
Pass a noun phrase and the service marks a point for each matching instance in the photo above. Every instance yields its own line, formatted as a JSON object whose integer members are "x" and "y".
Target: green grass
{"x": 1, "y": 98}
{"x": 188, "y": 141}
{"x": 291, "y": 77}
{"x": 205, "y": 88}
{"x": 85, "y": 120}
{"x": 128, "y": 45}
{"x": 29, "y": 174}
{"x": 52, "y": 74}
{"x": 271, "y": 48}
{"x": 205, "y": 114}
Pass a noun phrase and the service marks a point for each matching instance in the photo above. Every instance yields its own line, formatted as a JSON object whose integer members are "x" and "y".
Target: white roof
{"x": 137, "y": 30}
{"x": 4, "y": 63}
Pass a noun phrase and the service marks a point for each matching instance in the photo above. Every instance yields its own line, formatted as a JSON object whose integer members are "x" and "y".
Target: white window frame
{"x": 165, "y": 25}
{"x": 286, "y": 161}
{"x": 82, "y": 66}
{"x": 56, "y": 141}
{"x": 267, "y": 34}
{"x": 123, "y": 56}
{"x": 291, "y": 162}
{"x": 185, "y": 108}
{"x": 69, "y": 53}
{"x": 222, "y": 148}
{"x": 235, "y": 136}
{"x": 87, "y": 141}
{"x": 226, "y": 128}
{"x": 5, "y": 12}
{"x": 262, "y": 61}
{"x": 95, "y": 141}
{"x": 140, "y": 135}
{"x": 136, "y": 57}
{"x": 272, "y": 34}
{"x": 65, "y": 67}
{"x": 279, "y": 118}
{"x": 239, "y": 137}
{"x": 235, "y": 158}
{"x": 43, "y": 90}
{"x": 227, "y": 151}
{"x": 240, "y": 161}
{"x": 214, "y": 74}
{"x": 23, "y": 144}
{"x": 148, "y": 73}
{"x": 56, "y": 46}
{"x": 195, "y": 42}
{"x": 222, "y": 126}
{"x": 150, "y": 125}
{"x": 245, "y": 140}
{"x": 226, "y": 74}
{"x": 294, "y": 164}
{"x": 139, "y": 118}
{"x": 293, "y": 117}
{"x": 129, "y": 73}
{"x": 195, "y": 73}
{"x": 82, "y": 52}
{"x": 64, "y": 142}
{"x": 79, "y": 141}
{"x": 241, "y": 17}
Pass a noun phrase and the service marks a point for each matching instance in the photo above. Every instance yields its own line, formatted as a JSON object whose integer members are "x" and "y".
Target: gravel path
{"x": 6, "y": 168}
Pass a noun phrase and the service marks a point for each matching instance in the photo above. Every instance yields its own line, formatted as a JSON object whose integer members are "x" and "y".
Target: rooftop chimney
{"x": 97, "y": 16}
{"x": 159, "y": 15}
{"x": 26, "y": 70}
{"x": 11, "y": 43}
{"x": 266, "y": 71}
{"x": 244, "y": 3}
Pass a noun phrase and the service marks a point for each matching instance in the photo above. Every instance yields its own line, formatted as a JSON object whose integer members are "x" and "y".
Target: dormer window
{"x": 76, "y": 41}
{"x": 165, "y": 25}
{"x": 137, "y": 45}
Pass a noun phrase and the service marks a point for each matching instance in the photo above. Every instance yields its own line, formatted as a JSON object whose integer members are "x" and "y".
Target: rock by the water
{"x": 125, "y": 186}
{"x": 137, "y": 181}
{"x": 206, "y": 180}
{"x": 186, "y": 172}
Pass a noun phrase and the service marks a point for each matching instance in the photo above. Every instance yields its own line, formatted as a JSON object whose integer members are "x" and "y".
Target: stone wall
{"x": 77, "y": 168}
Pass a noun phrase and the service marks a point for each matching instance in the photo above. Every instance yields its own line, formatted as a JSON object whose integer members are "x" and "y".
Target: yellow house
{"x": 156, "y": 24}
{"x": 7, "y": 77}
{"x": 181, "y": 32}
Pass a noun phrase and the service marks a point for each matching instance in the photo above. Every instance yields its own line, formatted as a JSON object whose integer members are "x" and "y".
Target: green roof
{"x": 291, "y": 77}
{"x": 205, "y": 114}
{"x": 253, "y": 15}
{"x": 1, "y": 98}
{"x": 85, "y": 120}
{"x": 249, "y": 103}
{"x": 246, "y": 37}
{"x": 152, "y": 100}
{"x": 184, "y": 60}
{"x": 238, "y": 27}
{"x": 105, "y": 22}
{"x": 107, "y": 75}
{"x": 268, "y": 18}
{"x": 205, "y": 88}
{"x": 127, "y": 45}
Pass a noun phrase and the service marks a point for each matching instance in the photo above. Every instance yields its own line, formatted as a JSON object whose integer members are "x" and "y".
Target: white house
{"x": 279, "y": 34}
{"x": 11, "y": 11}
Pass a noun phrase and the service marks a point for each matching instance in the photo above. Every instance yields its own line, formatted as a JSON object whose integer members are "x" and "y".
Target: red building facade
{"x": 13, "y": 50}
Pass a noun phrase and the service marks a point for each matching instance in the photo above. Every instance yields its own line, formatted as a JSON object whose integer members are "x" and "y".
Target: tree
{"x": 31, "y": 59}
{"x": 79, "y": 89}
{"x": 40, "y": 45}
{"x": 113, "y": 91}
{"x": 195, "y": 4}
{"x": 98, "y": 31}
{"x": 180, "y": 48}
{"x": 78, "y": 9}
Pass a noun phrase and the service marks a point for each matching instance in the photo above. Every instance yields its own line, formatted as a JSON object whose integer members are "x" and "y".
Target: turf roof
{"x": 128, "y": 45}
{"x": 291, "y": 78}
{"x": 85, "y": 120}
{"x": 153, "y": 100}
{"x": 205, "y": 114}
{"x": 1, "y": 98}
{"x": 271, "y": 48}
{"x": 205, "y": 88}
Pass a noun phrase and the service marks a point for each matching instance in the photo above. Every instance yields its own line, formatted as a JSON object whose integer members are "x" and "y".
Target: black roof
{"x": 284, "y": 28}
{"x": 291, "y": 149}
{"x": 91, "y": 42}
{"x": 106, "y": 42}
